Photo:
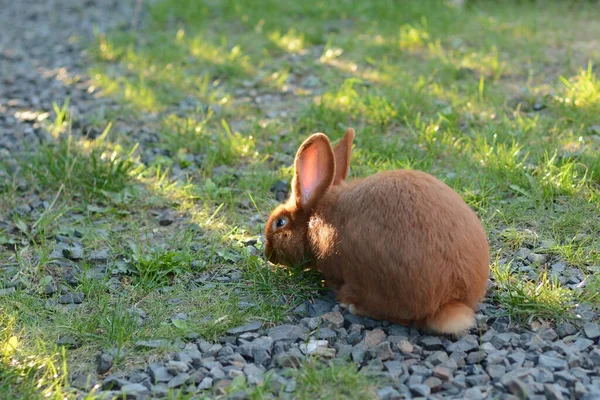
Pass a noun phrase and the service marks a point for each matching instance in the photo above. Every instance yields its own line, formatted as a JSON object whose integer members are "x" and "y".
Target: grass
{"x": 501, "y": 101}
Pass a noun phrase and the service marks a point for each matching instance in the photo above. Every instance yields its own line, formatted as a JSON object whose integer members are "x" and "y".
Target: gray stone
{"x": 104, "y": 363}
{"x": 478, "y": 380}
{"x": 178, "y": 380}
{"x": 159, "y": 373}
{"x": 420, "y": 389}
{"x": 519, "y": 388}
{"x": 205, "y": 384}
{"x": 431, "y": 343}
{"x": 476, "y": 357}
{"x": 579, "y": 390}
{"x": 473, "y": 393}
{"x": 134, "y": 389}
{"x": 99, "y": 256}
{"x": 388, "y": 393}
{"x": 466, "y": 344}
{"x": 319, "y": 307}
{"x": 287, "y": 332}
{"x": 566, "y": 329}
{"x": 326, "y": 333}
{"x": 516, "y": 358}
{"x": 437, "y": 358}
{"x": 174, "y": 367}
{"x": 434, "y": 383}
{"x": 582, "y": 344}
{"x": 71, "y": 298}
{"x": 251, "y": 327}
{"x": 395, "y": 369}
{"x": 591, "y": 330}
{"x": 552, "y": 363}
{"x": 83, "y": 381}
{"x": 553, "y": 392}
{"x": 594, "y": 357}
{"x": 358, "y": 353}
{"x": 495, "y": 371}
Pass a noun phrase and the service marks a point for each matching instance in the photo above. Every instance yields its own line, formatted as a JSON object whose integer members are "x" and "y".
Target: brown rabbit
{"x": 398, "y": 245}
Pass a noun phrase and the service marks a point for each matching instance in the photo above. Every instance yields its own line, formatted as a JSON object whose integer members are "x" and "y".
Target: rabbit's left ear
{"x": 314, "y": 170}
{"x": 343, "y": 151}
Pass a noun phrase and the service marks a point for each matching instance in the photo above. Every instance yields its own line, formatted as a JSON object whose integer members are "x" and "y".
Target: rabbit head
{"x": 317, "y": 168}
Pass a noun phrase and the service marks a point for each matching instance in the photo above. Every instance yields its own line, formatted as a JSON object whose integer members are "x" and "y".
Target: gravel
{"x": 495, "y": 360}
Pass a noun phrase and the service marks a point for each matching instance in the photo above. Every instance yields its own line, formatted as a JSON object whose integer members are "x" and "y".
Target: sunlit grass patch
{"x": 83, "y": 168}
{"x": 28, "y": 370}
{"x": 525, "y": 300}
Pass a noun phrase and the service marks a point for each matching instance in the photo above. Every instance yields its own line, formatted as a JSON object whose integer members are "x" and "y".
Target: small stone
{"x": 565, "y": 376}
{"x": 420, "y": 389}
{"x": 579, "y": 390}
{"x": 405, "y": 347}
{"x": 99, "y": 256}
{"x": 251, "y": 327}
{"x": 159, "y": 373}
{"x": 373, "y": 338}
{"x": 434, "y": 383}
{"x": 473, "y": 393}
{"x": 205, "y": 384}
{"x": 553, "y": 392}
{"x": 134, "y": 389}
{"x": 166, "y": 219}
{"x": 466, "y": 344}
{"x": 437, "y": 358}
{"x": 519, "y": 388}
{"x": 537, "y": 258}
{"x": 175, "y": 367}
{"x": 178, "y": 381}
{"x": 388, "y": 393}
{"x": 594, "y": 357}
{"x": 442, "y": 373}
{"x": 83, "y": 381}
{"x": 582, "y": 344}
{"x": 7, "y": 291}
{"x": 591, "y": 330}
{"x": 71, "y": 298}
{"x": 326, "y": 333}
{"x": 319, "y": 307}
{"x": 523, "y": 253}
{"x": 333, "y": 320}
{"x": 495, "y": 371}
{"x": 431, "y": 343}
{"x": 478, "y": 380}
{"x": 566, "y": 329}
{"x": 358, "y": 353}
{"x": 287, "y": 332}
{"x": 552, "y": 363}
{"x": 382, "y": 351}
{"x": 476, "y": 357}
{"x": 395, "y": 369}
{"x": 104, "y": 363}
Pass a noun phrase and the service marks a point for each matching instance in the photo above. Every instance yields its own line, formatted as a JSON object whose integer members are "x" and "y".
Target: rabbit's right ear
{"x": 314, "y": 170}
{"x": 343, "y": 151}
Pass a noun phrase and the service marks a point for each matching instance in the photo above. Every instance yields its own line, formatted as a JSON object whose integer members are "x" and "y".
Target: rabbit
{"x": 399, "y": 245}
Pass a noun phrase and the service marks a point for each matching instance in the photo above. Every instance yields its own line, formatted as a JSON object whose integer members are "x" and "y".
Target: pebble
{"x": 287, "y": 332}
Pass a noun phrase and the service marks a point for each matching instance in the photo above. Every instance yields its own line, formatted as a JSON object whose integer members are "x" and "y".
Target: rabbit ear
{"x": 343, "y": 151}
{"x": 315, "y": 168}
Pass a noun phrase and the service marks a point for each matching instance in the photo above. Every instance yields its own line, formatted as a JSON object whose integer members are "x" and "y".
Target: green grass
{"x": 501, "y": 101}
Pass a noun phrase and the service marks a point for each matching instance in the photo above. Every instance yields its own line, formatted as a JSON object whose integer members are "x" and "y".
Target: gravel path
{"x": 41, "y": 64}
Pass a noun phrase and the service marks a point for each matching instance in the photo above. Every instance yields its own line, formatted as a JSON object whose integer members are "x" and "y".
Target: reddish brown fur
{"x": 399, "y": 245}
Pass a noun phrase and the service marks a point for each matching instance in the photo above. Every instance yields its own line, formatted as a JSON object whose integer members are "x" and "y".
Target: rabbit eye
{"x": 280, "y": 222}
